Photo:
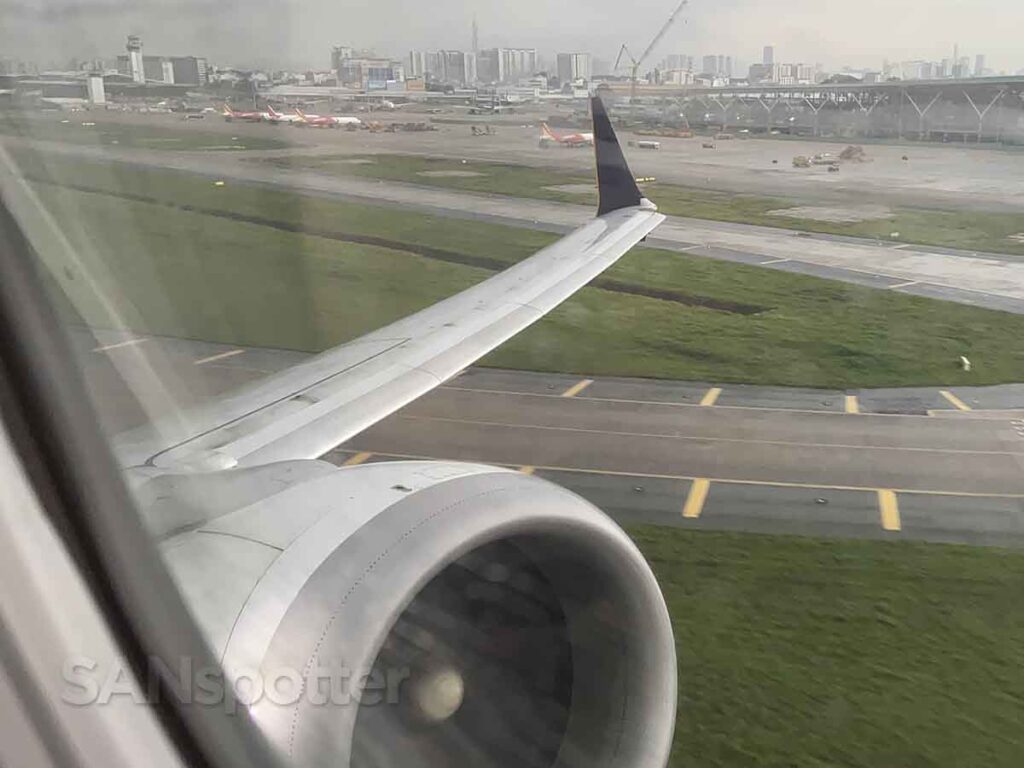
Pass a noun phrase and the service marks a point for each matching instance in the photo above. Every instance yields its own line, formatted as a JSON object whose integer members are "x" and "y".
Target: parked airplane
{"x": 273, "y": 116}
{"x": 252, "y": 117}
{"x": 549, "y": 137}
{"x": 395, "y": 614}
{"x": 325, "y": 121}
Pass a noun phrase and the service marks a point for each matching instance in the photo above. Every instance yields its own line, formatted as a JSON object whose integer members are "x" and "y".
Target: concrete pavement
{"x": 749, "y": 458}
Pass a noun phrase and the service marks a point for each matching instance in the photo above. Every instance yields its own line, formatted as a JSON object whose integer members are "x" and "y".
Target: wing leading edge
{"x": 308, "y": 409}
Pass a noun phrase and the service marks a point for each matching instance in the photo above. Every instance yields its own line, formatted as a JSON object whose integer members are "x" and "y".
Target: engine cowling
{"x": 436, "y": 614}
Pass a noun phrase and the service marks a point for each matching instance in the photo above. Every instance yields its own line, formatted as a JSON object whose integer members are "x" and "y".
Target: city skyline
{"x": 292, "y": 35}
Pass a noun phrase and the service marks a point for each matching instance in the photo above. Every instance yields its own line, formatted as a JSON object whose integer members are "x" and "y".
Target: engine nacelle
{"x": 436, "y": 614}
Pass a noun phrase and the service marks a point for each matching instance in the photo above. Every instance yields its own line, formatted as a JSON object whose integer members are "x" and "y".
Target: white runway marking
{"x": 118, "y": 345}
{"x": 903, "y": 285}
{"x": 221, "y": 356}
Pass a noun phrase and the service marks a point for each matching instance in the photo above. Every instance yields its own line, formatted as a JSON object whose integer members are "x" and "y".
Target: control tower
{"x": 135, "y": 65}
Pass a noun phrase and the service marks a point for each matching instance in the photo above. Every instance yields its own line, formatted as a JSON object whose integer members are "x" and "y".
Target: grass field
{"x": 805, "y": 652}
{"x": 77, "y": 128}
{"x": 296, "y": 255}
{"x": 966, "y": 230}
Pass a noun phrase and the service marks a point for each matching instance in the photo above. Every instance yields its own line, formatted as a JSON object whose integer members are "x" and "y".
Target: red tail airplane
{"x": 273, "y": 116}
{"x": 325, "y": 121}
{"x": 566, "y": 139}
{"x": 230, "y": 114}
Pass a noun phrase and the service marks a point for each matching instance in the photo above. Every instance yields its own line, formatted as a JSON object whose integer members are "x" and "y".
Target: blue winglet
{"x": 615, "y": 182}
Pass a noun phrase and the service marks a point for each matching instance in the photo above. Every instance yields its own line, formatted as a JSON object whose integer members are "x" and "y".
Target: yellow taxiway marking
{"x": 118, "y": 345}
{"x": 889, "y": 508}
{"x": 704, "y": 438}
{"x": 359, "y": 458}
{"x": 696, "y": 497}
{"x": 633, "y": 401}
{"x": 852, "y": 406}
{"x": 221, "y": 356}
{"x": 729, "y": 480}
{"x": 957, "y": 403}
{"x": 578, "y": 387}
{"x": 527, "y": 469}
{"x": 711, "y": 396}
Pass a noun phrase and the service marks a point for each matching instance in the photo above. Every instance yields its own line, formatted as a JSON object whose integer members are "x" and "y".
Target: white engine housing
{"x": 532, "y": 614}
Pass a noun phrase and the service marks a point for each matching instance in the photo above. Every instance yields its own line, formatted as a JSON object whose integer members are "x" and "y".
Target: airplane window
{"x": 540, "y": 385}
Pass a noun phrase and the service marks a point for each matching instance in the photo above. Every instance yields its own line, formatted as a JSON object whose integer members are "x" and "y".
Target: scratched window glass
{"x": 556, "y": 384}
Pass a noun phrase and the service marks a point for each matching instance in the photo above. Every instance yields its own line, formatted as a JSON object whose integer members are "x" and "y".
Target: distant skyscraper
{"x": 757, "y": 73}
{"x": 506, "y": 65}
{"x": 457, "y": 67}
{"x": 476, "y": 38}
{"x": 188, "y": 70}
{"x": 769, "y": 56}
{"x": 417, "y": 64}
{"x": 979, "y": 65}
{"x": 709, "y": 65}
{"x": 339, "y": 53}
{"x": 574, "y": 66}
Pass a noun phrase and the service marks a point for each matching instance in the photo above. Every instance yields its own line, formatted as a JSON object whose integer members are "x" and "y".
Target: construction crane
{"x": 647, "y": 51}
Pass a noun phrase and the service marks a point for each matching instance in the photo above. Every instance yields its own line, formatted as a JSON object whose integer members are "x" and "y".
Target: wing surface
{"x": 308, "y": 409}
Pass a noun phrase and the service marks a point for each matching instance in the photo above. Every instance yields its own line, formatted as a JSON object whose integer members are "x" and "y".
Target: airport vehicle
{"x": 647, "y": 144}
{"x": 251, "y": 117}
{"x": 549, "y": 137}
{"x": 518, "y": 624}
{"x": 325, "y": 121}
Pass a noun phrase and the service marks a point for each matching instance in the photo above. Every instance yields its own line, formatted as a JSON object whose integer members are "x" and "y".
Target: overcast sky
{"x": 299, "y": 33}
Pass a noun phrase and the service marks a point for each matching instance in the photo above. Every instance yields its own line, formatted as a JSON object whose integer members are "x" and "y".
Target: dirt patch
{"x": 450, "y": 174}
{"x": 835, "y": 214}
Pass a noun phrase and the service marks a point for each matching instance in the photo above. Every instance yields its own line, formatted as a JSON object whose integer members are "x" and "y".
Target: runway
{"x": 994, "y": 281}
{"x": 703, "y": 455}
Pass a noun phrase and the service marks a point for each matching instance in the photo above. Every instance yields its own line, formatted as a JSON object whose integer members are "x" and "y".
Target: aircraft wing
{"x": 310, "y": 408}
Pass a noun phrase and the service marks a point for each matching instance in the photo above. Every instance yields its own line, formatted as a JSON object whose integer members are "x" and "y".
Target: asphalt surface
{"x": 994, "y": 281}
{"x": 869, "y": 463}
